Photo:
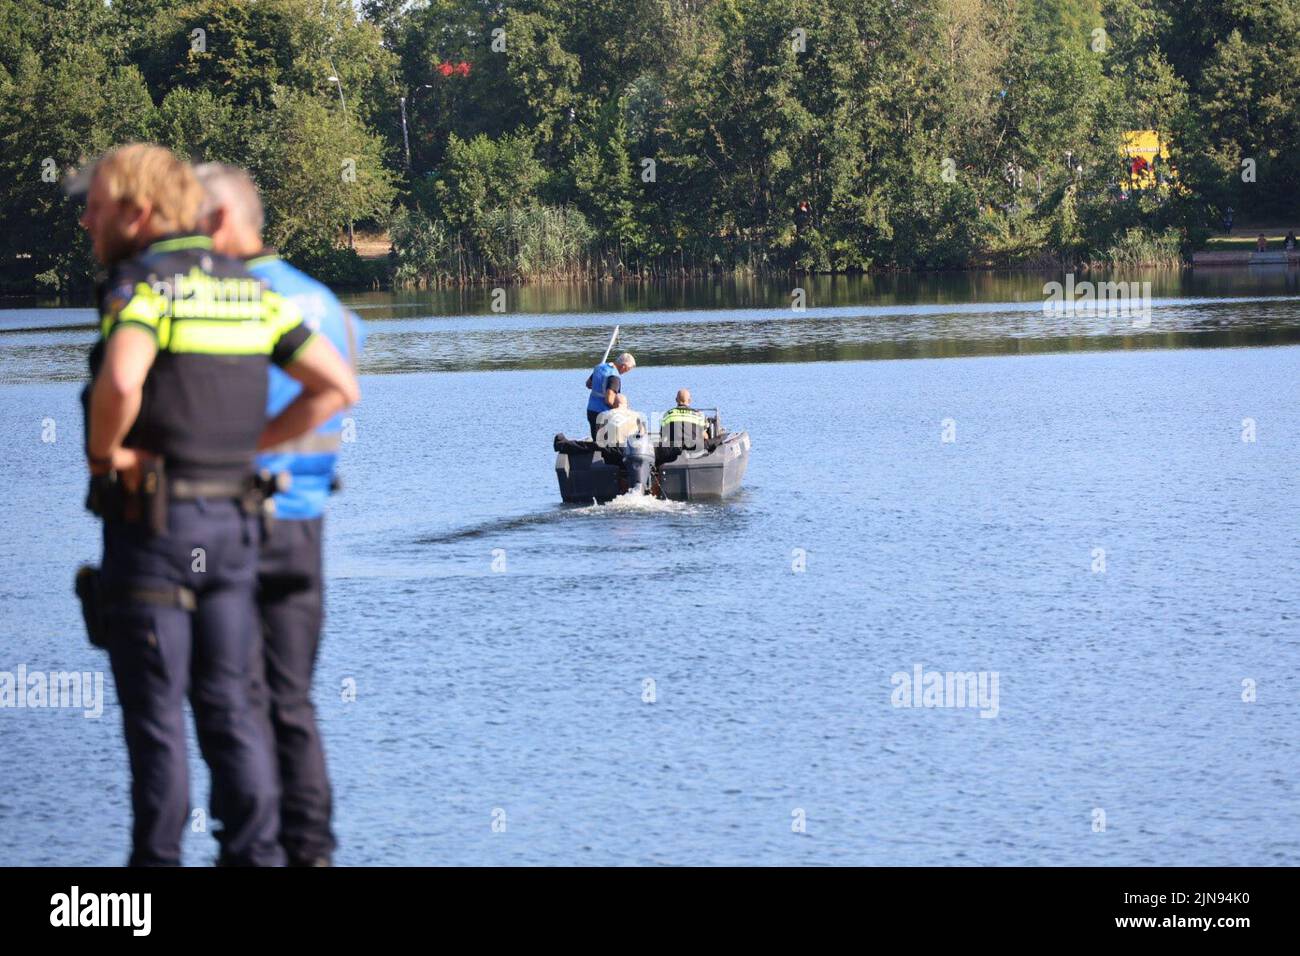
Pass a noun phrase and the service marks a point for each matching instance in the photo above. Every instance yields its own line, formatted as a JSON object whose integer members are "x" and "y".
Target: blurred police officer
{"x": 174, "y": 413}
{"x": 290, "y": 579}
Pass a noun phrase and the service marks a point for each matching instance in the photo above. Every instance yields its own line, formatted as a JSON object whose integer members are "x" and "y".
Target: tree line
{"x": 544, "y": 138}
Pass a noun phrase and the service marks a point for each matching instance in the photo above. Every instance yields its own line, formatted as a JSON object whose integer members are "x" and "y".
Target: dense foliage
{"x": 545, "y": 138}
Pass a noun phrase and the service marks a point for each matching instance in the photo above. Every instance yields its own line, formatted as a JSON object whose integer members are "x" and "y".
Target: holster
{"x": 104, "y": 497}
{"x": 89, "y": 587}
{"x": 109, "y": 500}
{"x": 259, "y": 499}
{"x": 92, "y": 606}
{"x": 153, "y": 496}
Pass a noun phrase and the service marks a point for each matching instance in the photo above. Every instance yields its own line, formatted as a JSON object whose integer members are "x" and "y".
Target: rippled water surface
{"x": 656, "y": 682}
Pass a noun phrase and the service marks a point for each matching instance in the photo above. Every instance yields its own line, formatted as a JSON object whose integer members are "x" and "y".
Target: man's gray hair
{"x": 232, "y": 188}
{"x": 625, "y": 358}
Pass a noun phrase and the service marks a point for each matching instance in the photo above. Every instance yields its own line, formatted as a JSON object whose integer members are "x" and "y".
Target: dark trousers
{"x": 162, "y": 654}
{"x": 289, "y": 600}
{"x": 591, "y": 420}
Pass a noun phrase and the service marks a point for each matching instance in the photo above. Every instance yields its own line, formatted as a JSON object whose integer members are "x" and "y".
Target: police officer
{"x": 682, "y": 427}
{"x": 290, "y": 581}
{"x": 605, "y": 382}
{"x": 174, "y": 413}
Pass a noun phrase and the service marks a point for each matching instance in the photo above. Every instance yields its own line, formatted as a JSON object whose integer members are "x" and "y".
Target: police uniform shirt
{"x": 682, "y": 427}
{"x": 215, "y": 326}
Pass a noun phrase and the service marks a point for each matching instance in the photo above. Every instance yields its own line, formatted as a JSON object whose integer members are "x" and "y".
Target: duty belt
{"x": 109, "y": 500}
{"x": 187, "y": 489}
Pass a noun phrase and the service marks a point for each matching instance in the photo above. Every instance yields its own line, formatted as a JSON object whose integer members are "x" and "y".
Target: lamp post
{"x": 352, "y": 241}
{"x": 406, "y": 138}
{"x": 337, "y": 82}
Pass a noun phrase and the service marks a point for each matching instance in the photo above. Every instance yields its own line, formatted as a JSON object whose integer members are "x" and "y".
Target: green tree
{"x": 482, "y": 175}
{"x": 318, "y": 169}
{"x": 62, "y": 101}
{"x": 605, "y": 187}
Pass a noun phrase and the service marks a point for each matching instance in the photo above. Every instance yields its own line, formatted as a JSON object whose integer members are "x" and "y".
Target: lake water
{"x": 1092, "y": 514}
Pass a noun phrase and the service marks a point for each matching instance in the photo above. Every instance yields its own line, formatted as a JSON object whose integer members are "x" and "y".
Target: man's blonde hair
{"x": 141, "y": 173}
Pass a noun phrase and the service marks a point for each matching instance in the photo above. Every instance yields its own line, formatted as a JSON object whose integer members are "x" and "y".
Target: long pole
{"x": 406, "y": 139}
{"x": 610, "y": 347}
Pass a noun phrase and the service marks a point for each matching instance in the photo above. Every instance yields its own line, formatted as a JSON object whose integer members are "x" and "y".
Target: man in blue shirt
{"x": 606, "y": 384}
{"x": 290, "y": 579}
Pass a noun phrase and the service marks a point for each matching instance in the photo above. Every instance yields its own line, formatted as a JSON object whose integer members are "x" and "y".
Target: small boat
{"x": 587, "y": 473}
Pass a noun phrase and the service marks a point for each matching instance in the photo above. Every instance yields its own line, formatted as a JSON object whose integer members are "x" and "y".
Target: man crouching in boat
{"x": 613, "y": 428}
{"x": 624, "y": 440}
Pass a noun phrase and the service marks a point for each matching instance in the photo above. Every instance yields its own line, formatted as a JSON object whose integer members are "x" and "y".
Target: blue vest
{"x": 598, "y": 376}
{"x": 311, "y": 457}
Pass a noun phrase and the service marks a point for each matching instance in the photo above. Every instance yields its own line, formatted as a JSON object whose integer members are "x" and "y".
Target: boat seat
{"x": 573, "y": 446}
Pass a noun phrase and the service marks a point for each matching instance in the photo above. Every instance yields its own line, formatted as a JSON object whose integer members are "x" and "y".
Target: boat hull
{"x": 585, "y": 477}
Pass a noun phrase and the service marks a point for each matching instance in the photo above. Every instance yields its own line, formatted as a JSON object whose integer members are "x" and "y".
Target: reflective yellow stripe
{"x": 198, "y": 295}
{"x": 145, "y": 308}
{"x": 219, "y": 337}
{"x": 182, "y": 242}
{"x": 282, "y": 314}
{"x": 197, "y": 313}
{"x": 683, "y": 415}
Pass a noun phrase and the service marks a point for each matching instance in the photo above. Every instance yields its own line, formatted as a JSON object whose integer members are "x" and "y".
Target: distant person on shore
{"x": 1290, "y": 241}
{"x": 1261, "y": 244}
{"x": 1227, "y": 220}
{"x": 606, "y": 382}
{"x": 290, "y": 578}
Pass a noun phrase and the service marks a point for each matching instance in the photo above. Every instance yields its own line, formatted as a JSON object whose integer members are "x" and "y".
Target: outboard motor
{"x": 639, "y": 461}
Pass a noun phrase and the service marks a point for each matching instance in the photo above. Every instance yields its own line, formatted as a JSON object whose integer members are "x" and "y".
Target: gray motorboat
{"x": 707, "y": 470}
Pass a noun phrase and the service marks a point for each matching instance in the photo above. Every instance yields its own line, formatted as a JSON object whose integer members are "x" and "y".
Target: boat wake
{"x": 489, "y": 528}
{"x": 637, "y": 502}
{"x": 633, "y": 503}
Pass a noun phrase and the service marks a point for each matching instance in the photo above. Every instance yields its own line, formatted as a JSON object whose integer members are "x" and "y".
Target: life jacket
{"x": 310, "y": 458}
{"x": 599, "y": 376}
